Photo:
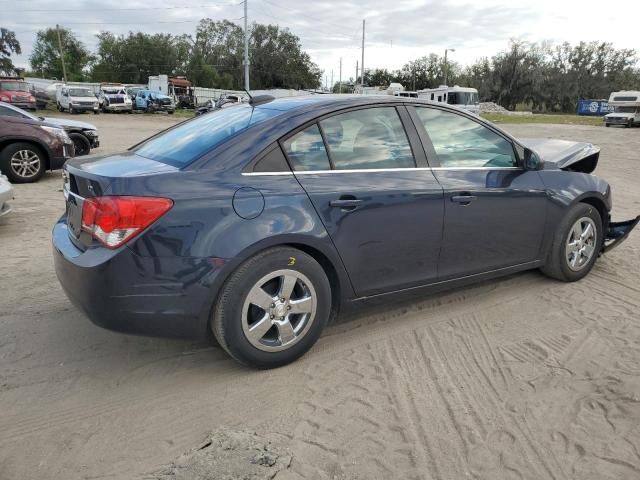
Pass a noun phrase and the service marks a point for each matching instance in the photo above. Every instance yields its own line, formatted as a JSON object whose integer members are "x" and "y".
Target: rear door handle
{"x": 463, "y": 199}
{"x": 347, "y": 203}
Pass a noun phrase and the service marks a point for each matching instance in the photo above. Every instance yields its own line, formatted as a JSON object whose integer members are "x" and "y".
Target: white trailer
{"x": 462, "y": 97}
{"x": 626, "y": 109}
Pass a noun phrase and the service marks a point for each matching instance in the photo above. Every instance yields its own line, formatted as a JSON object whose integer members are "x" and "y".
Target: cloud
{"x": 397, "y": 31}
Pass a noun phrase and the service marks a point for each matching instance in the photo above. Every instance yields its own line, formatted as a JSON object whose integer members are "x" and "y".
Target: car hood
{"x": 63, "y": 122}
{"x": 564, "y": 154}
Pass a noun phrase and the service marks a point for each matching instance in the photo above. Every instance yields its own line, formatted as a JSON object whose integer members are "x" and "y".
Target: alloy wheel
{"x": 279, "y": 310}
{"x": 581, "y": 243}
{"x": 25, "y": 163}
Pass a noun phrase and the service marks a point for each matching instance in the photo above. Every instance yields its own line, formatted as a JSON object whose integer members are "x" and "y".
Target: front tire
{"x": 576, "y": 244}
{"x": 80, "y": 143}
{"x": 273, "y": 308}
{"x": 22, "y": 162}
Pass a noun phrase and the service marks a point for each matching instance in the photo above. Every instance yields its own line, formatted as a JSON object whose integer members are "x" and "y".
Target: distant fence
{"x": 595, "y": 108}
{"x": 200, "y": 94}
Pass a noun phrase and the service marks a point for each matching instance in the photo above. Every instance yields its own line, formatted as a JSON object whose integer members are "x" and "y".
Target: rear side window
{"x": 368, "y": 139}
{"x": 463, "y": 143}
{"x": 190, "y": 140}
{"x": 306, "y": 151}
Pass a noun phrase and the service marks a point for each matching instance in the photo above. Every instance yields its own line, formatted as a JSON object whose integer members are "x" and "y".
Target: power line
{"x": 125, "y": 23}
{"x": 84, "y": 11}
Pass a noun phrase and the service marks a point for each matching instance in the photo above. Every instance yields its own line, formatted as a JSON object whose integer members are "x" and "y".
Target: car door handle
{"x": 346, "y": 203}
{"x": 463, "y": 199}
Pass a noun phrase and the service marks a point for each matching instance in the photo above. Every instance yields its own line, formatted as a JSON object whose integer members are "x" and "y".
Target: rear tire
{"x": 22, "y": 162}
{"x": 575, "y": 250}
{"x": 279, "y": 331}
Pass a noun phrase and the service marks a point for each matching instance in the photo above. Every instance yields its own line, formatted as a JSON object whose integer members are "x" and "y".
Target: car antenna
{"x": 250, "y": 96}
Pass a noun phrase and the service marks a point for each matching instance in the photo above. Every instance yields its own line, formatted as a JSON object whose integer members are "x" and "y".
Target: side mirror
{"x": 532, "y": 160}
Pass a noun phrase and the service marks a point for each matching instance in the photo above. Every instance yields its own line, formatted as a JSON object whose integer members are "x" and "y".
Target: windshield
{"x": 462, "y": 98}
{"x": 80, "y": 92}
{"x": 625, "y": 109}
{"x": 14, "y": 86}
{"x": 190, "y": 140}
{"x": 113, "y": 91}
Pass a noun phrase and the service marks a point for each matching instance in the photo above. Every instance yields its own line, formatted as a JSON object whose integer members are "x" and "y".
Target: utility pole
{"x": 446, "y": 65}
{"x": 332, "y": 81}
{"x": 64, "y": 68}
{"x": 246, "y": 47}
{"x": 340, "y": 85}
{"x": 362, "y": 64}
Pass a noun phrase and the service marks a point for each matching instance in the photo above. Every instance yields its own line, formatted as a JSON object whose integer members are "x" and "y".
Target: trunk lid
{"x": 93, "y": 176}
{"x": 565, "y": 154}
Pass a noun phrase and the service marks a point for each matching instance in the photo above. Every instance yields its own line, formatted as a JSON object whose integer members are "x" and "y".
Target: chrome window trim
{"x": 376, "y": 170}
{"x": 476, "y": 168}
{"x": 265, "y": 174}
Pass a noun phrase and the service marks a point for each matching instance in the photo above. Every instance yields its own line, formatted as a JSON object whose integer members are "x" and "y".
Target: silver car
{"x": 6, "y": 194}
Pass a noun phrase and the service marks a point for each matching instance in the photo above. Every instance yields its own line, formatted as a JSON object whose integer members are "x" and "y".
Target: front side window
{"x": 463, "y": 143}
{"x": 306, "y": 151}
{"x": 367, "y": 139}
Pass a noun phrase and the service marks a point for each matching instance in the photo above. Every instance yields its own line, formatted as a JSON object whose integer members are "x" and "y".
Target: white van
{"x": 462, "y": 97}
{"x": 75, "y": 99}
{"x": 626, "y": 109}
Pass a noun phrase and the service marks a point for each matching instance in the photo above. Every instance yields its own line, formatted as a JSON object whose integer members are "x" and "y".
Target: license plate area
{"x": 74, "y": 214}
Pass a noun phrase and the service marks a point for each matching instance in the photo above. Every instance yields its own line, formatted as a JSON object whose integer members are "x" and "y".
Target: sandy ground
{"x": 519, "y": 378}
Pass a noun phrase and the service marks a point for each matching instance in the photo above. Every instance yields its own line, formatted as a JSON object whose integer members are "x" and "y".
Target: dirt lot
{"x": 520, "y": 378}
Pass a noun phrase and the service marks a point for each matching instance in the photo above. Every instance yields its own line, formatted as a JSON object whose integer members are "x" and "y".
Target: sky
{"x": 397, "y": 31}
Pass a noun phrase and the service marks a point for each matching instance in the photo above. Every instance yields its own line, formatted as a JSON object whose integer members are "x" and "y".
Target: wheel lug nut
{"x": 288, "y": 307}
{"x": 272, "y": 317}
{"x": 282, "y": 299}
{"x": 273, "y": 305}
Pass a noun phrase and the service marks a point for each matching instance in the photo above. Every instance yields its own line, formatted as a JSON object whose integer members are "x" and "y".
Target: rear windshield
{"x": 190, "y": 140}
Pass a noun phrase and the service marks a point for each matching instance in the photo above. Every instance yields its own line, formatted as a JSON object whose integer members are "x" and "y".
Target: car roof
{"x": 330, "y": 102}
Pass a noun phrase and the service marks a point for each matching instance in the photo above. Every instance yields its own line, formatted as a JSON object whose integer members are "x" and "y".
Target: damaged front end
{"x": 579, "y": 157}
{"x": 617, "y": 232}
{"x": 564, "y": 154}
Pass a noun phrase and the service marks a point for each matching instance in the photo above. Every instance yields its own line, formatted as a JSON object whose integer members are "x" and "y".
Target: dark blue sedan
{"x": 260, "y": 220}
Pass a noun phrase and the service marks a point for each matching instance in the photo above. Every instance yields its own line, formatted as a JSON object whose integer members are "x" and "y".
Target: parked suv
{"x": 29, "y": 146}
{"x": 83, "y": 135}
{"x": 16, "y": 91}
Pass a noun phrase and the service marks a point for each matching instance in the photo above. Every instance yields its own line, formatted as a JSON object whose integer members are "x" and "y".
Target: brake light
{"x": 114, "y": 220}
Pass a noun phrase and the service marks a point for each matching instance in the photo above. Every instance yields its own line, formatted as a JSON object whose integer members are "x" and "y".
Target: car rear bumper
{"x": 122, "y": 291}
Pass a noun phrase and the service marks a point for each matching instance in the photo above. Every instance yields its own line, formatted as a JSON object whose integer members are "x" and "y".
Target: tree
{"x": 276, "y": 56}
{"x": 8, "y": 45}
{"x": 136, "y": 56}
{"x": 45, "y": 58}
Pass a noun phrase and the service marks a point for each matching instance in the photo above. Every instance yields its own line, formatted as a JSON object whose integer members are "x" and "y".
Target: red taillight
{"x": 115, "y": 220}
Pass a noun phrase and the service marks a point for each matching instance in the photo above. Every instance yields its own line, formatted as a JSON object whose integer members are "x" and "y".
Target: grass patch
{"x": 544, "y": 118}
